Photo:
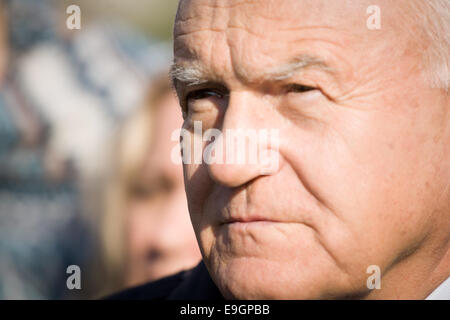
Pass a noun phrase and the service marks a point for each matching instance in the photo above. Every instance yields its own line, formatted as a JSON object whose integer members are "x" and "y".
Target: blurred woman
{"x": 147, "y": 230}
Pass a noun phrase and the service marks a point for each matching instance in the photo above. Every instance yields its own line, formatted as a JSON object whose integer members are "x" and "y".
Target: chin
{"x": 261, "y": 279}
{"x": 282, "y": 262}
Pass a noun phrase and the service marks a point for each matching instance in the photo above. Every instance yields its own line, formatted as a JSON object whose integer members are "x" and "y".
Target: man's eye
{"x": 299, "y": 88}
{"x": 203, "y": 94}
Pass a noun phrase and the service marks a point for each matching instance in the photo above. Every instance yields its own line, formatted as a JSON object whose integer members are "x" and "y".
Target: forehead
{"x": 243, "y": 37}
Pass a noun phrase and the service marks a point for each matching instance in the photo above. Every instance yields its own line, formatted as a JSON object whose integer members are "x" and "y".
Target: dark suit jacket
{"x": 193, "y": 284}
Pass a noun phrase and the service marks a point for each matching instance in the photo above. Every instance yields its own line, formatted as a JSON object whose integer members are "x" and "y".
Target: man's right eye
{"x": 203, "y": 101}
{"x": 203, "y": 94}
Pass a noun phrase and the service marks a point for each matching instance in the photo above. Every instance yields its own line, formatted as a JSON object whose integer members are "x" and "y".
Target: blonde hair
{"x": 129, "y": 155}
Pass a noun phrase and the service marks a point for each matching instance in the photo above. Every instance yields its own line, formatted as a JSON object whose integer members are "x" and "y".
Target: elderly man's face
{"x": 363, "y": 152}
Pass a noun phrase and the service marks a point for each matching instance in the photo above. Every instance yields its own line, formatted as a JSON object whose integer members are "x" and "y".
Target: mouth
{"x": 244, "y": 225}
{"x": 247, "y": 220}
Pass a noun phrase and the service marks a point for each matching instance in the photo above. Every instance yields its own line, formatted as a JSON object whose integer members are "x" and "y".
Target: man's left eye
{"x": 299, "y": 88}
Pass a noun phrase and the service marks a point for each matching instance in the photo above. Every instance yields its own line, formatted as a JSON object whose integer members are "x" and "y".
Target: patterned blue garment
{"x": 60, "y": 103}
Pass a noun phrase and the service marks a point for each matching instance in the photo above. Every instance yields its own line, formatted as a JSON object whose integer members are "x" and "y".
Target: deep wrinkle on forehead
{"x": 235, "y": 40}
{"x": 195, "y": 65}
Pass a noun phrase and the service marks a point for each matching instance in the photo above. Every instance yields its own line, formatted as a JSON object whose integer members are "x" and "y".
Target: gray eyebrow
{"x": 297, "y": 64}
{"x": 190, "y": 75}
{"x": 193, "y": 74}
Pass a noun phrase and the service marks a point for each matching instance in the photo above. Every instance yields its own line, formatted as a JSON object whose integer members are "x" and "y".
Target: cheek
{"x": 198, "y": 187}
{"x": 139, "y": 223}
{"x": 369, "y": 170}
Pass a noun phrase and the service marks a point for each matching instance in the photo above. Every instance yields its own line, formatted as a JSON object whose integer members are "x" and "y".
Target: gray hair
{"x": 435, "y": 15}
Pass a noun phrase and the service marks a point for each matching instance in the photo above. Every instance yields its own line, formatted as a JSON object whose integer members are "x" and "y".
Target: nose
{"x": 248, "y": 143}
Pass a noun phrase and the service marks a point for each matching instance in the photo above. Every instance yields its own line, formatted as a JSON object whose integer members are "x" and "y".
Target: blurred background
{"x": 85, "y": 173}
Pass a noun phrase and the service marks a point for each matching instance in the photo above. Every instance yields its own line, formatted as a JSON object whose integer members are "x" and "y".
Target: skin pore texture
{"x": 364, "y": 152}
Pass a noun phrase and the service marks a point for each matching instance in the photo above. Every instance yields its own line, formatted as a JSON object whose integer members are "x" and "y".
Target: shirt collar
{"x": 442, "y": 292}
